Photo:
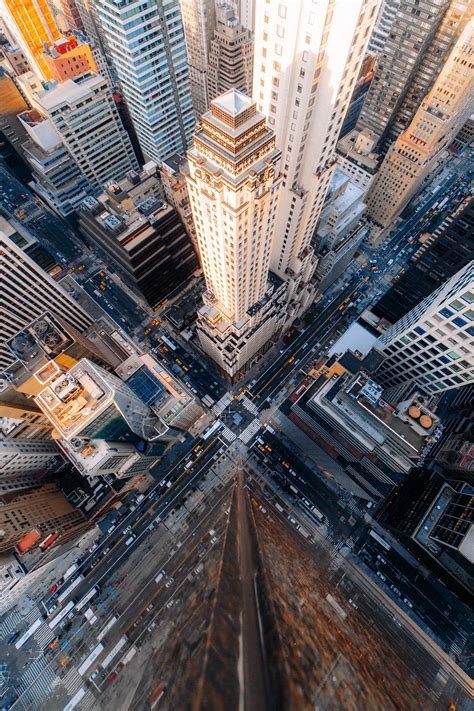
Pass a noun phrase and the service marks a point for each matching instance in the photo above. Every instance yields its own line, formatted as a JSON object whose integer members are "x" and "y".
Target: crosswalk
{"x": 251, "y": 430}
{"x": 44, "y": 635}
{"x": 10, "y": 624}
{"x": 36, "y": 683}
{"x": 72, "y": 681}
{"x": 221, "y": 404}
{"x": 249, "y": 405}
{"x": 227, "y": 433}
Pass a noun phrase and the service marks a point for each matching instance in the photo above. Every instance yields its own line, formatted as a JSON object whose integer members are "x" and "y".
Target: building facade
{"x": 84, "y": 114}
{"x": 306, "y": 64}
{"x": 146, "y": 45}
{"x": 230, "y": 55}
{"x": 24, "y": 463}
{"x": 143, "y": 235}
{"x": 27, "y": 292}
{"x": 419, "y": 150}
{"x": 199, "y": 20}
{"x": 433, "y": 344}
{"x": 233, "y": 185}
{"x": 437, "y": 259}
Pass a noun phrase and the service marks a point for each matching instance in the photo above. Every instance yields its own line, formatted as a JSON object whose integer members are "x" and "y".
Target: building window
{"x": 282, "y": 11}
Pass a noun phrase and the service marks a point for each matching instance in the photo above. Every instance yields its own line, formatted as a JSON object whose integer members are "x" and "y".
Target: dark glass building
{"x": 449, "y": 250}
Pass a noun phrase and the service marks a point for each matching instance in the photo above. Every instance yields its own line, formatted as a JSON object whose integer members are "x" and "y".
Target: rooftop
{"x": 233, "y": 102}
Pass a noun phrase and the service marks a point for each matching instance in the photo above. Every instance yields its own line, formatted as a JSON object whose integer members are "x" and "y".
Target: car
{"x": 395, "y": 590}
{"x": 169, "y": 583}
{"x": 408, "y": 603}
{"x": 381, "y": 576}
{"x": 53, "y": 588}
{"x": 292, "y": 520}
{"x": 170, "y": 604}
{"x": 353, "y": 604}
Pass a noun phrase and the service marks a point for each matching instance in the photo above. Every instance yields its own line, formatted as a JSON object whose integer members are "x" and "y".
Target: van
{"x": 130, "y": 540}
{"x": 294, "y": 489}
{"x": 279, "y": 508}
{"x": 270, "y": 429}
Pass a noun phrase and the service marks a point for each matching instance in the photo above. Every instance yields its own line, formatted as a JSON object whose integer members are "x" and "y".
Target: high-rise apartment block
{"x": 132, "y": 226}
{"x": 84, "y": 114}
{"x": 383, "y": 25}
{"x": 147, "y": 47}
{"x": 413, "y": 54}
{"x": 233, "y": 188}
{"x": 231, "y": 54}
{"x": 307, "y": 60}
{"x": 57, "y": 178}
{"x": 433, "y": 345}
{"x": 199, "y": 20}
{"x": 28, "y": 291}
{"x": 419, "y": 150}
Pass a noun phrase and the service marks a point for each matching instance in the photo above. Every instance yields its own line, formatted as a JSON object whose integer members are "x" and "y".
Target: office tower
{"x": 433, "y": 344}
{"x": 414, "y": 53}
{"x": 173, "y": 180}
{"x": 24, "y": 463}
{"x": 144, "y": 237}
{"x": 32, "y": 24}
{"x": 230, "y": 55}
{"x": 419, "y": 150}
{"x": 369, "y": 445}
{"x": 27, "y": 292}
{"x": 21, "y": 418}
{"x": 84, "y": 114}
{"x": 151, "y": 65}
{"x": 31, "y": 518}
{"x": 339, "y": 234}
{"x": 383, "y": 24}
{"x": 72, "y": 14}
{"x": 57, "y": 178}
{"x": 68, "y": 57}
{"x": 438, "y": 257}
{"x": 89, "y": 402}
{"x": 233, "y": 186}
{"x": 199, "y": 22}
{"x": 306, "y": 63}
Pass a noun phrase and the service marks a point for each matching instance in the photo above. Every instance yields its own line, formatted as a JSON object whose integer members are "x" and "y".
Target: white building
{"x": 233, "y": 186}
{"x": 84, "y": 114}
{"x": 356, "y": 156}
{"x": 57, "y": 178}
{"x": 433, "y": 344}
{"x": 146, "y": 44}
{"x": 27, "y": 292}
{"x": 199, "y": 20}
{"x": 307, "y": 59}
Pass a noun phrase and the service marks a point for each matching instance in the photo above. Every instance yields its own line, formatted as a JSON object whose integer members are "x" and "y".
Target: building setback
{"x": 132, "y": 225}
{"x": 233, "y": 185}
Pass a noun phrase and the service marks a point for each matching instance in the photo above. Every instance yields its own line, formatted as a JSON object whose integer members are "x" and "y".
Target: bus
{"x": 61, "y": 615}
{"x": 70, "y": 588}
{"x": 217, "y": 425}
{"x": 88, "y": 596}
{"x": 29, "y": 632}
{"x": 168, "y": 342}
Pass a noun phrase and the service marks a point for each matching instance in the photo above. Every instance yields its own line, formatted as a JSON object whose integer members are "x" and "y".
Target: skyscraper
{"x": 146, "y": 45}
{"x": 412, "y": 56}
{"x": 23, "y": 463}
{"x": 433, "y": 345}
{"x": 27, "y": 292}
{"x": 199, "y": 20}
{"x": 418, "y": 151}
{"x": 233, "y": 186}
{"x": 83, "y": 113}
{"x": 230, "y": 55}
{"x": 306, "y": 63}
